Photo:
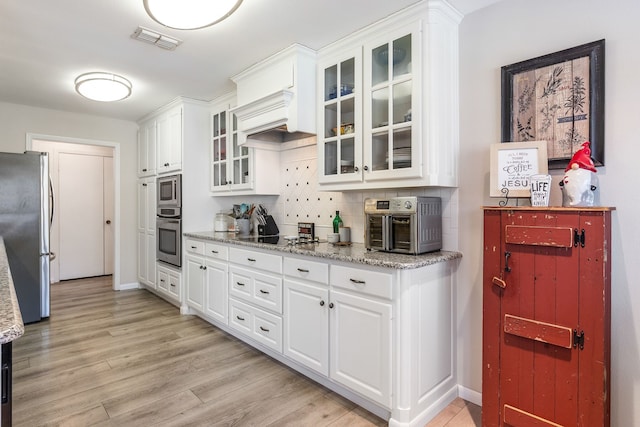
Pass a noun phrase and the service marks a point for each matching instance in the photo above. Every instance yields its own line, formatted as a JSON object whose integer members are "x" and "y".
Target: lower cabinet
{"x": 382, "y": 337}
{"x": 169, "y": 282}
{"x": 207, "y": 279}
{"x": 341, "y": 335}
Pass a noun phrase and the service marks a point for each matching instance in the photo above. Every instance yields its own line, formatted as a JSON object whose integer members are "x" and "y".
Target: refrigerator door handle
{"x": 53, "y": 202}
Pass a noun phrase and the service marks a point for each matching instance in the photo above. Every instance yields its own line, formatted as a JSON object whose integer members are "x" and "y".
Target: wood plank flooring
{"x": 128, "y": 358}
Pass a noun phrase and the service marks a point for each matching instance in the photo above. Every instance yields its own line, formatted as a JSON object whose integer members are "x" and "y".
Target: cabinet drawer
{"x": 368, "y": 282}
{"x": 240, "y": 316}
{"x": 214, "y": 250}
{"x": 195, "y": 246}
{"x": 257, "y": 324}
{"x": 253, "y": 259}
{"x": 307, "y": 270}
{"x": 263, "y": 290}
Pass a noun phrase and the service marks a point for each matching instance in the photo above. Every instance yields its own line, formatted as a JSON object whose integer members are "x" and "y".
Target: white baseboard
{"x": 470, "y": 395}
{"x": 127, "y": 286}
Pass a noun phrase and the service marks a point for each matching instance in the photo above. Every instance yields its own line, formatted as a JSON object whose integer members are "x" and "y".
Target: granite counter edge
{"x": 361, "y": 256}
{"x": 11, "y": 325}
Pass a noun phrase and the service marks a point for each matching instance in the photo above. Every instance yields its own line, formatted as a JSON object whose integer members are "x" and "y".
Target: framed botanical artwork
{"x": 512, "y": 166}
{"x": 558, "y": 98}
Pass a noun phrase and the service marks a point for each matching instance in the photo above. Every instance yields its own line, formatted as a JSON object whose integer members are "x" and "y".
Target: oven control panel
{"x": 394, "y": 205}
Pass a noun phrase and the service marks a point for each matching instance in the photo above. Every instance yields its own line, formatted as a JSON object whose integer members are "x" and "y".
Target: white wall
{"x": 18, "y": 120}
{"x": 516, "y": 30}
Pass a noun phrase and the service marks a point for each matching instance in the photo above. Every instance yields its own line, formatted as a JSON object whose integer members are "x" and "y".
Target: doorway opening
{"x": 85, "y": 230}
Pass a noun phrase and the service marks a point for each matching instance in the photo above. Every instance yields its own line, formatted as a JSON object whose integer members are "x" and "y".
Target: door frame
{"x": 30, "y": 137}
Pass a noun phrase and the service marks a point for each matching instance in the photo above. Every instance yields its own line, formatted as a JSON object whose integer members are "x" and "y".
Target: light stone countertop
{"x": 355, "y": 253}
{"x": 11, "y": 326}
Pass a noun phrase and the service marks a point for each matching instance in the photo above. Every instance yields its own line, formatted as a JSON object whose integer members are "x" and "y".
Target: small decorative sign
{"x": 540, "y": 189}
{"x": 513, "y": 164}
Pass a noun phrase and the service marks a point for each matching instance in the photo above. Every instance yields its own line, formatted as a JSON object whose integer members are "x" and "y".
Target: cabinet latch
{"x": 578, "y": 339}
{"x": 578, "y": 237}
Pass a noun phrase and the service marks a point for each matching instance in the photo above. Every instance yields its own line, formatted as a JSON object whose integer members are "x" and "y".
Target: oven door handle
{"x": 386, "y": 231}
{"x": 169, "y": 217}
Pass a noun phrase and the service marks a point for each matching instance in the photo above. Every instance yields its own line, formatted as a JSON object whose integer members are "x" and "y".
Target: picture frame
{"x": 558, "y": 98}
{"x": 511, "y": 166}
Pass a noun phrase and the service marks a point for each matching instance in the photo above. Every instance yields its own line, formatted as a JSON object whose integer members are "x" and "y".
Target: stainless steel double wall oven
{"x": 169, "y": 220}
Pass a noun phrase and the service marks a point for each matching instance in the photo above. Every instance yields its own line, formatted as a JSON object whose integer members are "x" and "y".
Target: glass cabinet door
{"x": 339, "y": 130}
{"x": 219, "y": 151}
{"x": 239, "y": 157}
{"x": 390, "y": 152}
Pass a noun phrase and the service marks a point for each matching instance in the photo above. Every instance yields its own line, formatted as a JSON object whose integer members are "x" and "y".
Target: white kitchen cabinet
{"x": 196, "y": 281}
{"x": 206, "y": 279}
{"x": 147, "y": 232}
{"x": 388, "y": 111}
{"x": 147, "y": 148}
{"x": 236, "y": 169}
{"x": 306, "y": 324}
{"x": 169, "y": 282}
{"x": 169, "y": 140}
{"x": 360, "y": 354}
{"x": 344, "y": 335}
{"x": 382, "y": 337}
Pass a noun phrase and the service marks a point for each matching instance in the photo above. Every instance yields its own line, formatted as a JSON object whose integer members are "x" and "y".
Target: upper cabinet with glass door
{"x": 392, "y": 148}
{"x": 233, "y": 167}
{"x": 398, "y": 126}
{"x": 340, "y": 132}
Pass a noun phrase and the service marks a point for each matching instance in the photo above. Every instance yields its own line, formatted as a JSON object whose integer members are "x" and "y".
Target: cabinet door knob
{"x": 321, "y": 303}
{"x": 365, "y": 167}
{"x": 108, "y": 221}
{"x": 356, "y": 169}
{"x": 330, "y": 305}
{"x": 144, "y": 170}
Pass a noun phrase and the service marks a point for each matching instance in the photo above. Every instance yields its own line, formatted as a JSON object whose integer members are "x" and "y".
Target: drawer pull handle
{"x": 262, "y": 291}
{"x": 240, "y": 318}
{"x": 194, "y": 247}
{"x": 214, "y": 252}
{"x": 162, "y": 280}
{"x": 239, "y": 283}
{"x": 359, "y": 282}
{"x": 302, "y": 270}
{"x": 499, "y": 282}
{"x": 251, "y": 260}
{"x": 264, "y": 329}
{"x": 172, "y": 285}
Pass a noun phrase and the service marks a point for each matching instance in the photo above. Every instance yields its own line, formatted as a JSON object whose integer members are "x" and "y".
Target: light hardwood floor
{"x": 128, "y": 358}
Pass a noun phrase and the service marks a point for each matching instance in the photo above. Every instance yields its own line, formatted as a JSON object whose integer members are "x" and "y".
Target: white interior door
{"x": 81, "y": 204}
{"x": 108, "y": 215}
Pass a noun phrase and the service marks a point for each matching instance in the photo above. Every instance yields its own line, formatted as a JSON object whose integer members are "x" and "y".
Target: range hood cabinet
{"x": 277, "y": 99}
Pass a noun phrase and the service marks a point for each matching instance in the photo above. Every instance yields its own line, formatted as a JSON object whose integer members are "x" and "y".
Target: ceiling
{"x": 46, "y": 44}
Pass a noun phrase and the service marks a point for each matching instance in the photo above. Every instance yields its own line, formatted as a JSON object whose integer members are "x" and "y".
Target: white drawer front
{"x": 253, "y": 259}
{"x": 240, "y": 283}
{"x": 366, "y": 281}
{"x": 267, "y": 329}
{"x": 240, "y": 317}
{"x": 263, "y": 290}
{"x": 307, "y": 270}
{"x": 261, "y": 326}
{"x": 195, "y": 246}
{"x": 214, "y": 250}
{"x": 267, "y": 292}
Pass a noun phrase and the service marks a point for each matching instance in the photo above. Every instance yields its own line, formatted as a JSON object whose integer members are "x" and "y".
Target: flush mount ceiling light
{"x": 105, "y": 87}
{"x": 190, "y": 14}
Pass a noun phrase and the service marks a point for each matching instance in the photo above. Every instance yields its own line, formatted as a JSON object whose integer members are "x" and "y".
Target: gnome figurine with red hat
{"x": 580, "y": 184}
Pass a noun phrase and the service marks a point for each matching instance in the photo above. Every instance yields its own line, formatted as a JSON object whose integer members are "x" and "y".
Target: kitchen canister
{"x": 345, "y": 234}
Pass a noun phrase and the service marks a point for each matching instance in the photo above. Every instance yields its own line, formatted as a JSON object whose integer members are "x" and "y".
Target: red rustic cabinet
{"x": 546, "y": 316}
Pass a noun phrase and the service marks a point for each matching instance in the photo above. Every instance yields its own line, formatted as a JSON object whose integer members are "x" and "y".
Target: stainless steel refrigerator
{"x": 25, "y": 217}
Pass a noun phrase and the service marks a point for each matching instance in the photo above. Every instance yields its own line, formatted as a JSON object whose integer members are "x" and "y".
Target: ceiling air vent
{"x": 153, "y": 37}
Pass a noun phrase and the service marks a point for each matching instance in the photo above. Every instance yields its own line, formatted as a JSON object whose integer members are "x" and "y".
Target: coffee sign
{"x": 513, "y": 164}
